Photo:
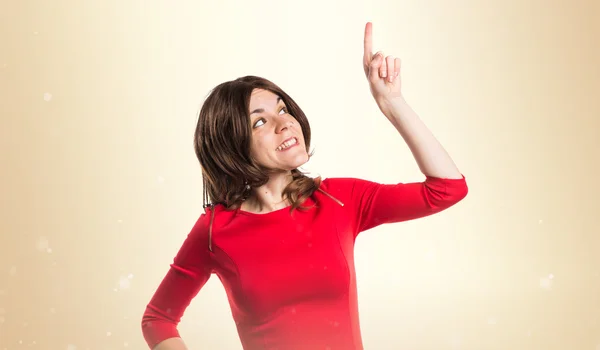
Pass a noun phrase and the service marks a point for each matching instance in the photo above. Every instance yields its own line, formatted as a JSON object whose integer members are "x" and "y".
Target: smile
{"x": 287, "y": 144}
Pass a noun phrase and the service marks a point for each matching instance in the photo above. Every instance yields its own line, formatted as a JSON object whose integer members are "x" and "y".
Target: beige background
{"x": 100, "y": 185}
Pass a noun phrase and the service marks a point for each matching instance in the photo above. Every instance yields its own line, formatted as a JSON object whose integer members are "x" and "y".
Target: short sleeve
{"x": 189, "y": 272}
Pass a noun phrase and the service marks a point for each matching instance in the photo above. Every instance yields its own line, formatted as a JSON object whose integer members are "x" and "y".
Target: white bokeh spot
{"x": 125, "y": 282}
{"x": 547, "y": 282}
{"x": 42, "y": 244}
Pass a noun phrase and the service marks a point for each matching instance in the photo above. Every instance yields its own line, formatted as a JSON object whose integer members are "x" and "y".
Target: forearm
{"x": 431, "y": 157}
{"x": 171, "y": 344}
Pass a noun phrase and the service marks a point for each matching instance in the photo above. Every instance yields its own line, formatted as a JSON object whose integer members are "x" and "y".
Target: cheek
{"x": 259, "y": 147}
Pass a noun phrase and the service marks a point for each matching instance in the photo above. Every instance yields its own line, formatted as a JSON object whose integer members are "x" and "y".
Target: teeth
{"x": 287, "y": 144}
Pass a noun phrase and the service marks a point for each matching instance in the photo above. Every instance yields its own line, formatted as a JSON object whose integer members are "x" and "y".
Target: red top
{"x": 290, "y": 279}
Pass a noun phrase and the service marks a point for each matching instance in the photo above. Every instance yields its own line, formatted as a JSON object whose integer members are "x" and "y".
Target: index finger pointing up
{"x": 368, "y": 43}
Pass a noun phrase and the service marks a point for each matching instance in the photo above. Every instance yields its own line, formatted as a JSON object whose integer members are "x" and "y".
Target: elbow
{"x": 150, "y": 335}
{"x": 461, "y": 192}
{"x": 156, "y": 329}
{"x": 441, "y": 198}
{"x": 456, "y": 190}
{"x": 146, "y": 325}
{"x": 457, "y": 193}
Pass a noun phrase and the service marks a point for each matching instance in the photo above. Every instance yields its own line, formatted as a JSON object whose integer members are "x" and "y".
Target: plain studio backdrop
{"x": 100, "y": 184}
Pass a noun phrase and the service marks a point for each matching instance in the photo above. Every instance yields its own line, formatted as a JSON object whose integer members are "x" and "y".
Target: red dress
{"x": 290, "y": 278}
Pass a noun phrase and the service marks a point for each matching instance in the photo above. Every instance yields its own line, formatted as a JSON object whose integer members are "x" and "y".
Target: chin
{"x": 303, "y": 160}
{"x": 295, "y": 163}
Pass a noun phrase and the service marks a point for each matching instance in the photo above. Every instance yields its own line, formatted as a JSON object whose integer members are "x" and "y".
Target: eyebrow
{"x": 260, "y": 110}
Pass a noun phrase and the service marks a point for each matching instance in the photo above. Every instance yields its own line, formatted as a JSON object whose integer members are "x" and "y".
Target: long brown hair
{"x": 222, "y": 144}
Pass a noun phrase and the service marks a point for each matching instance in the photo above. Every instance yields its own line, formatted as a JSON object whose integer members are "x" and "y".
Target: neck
{"x": 269, "y": 197}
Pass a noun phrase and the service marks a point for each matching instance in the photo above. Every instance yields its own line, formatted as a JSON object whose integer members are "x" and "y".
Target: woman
{"x": 280, "y": 242}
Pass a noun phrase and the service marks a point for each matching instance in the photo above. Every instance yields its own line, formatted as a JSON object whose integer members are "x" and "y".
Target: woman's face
{"x": 277, "y": 140}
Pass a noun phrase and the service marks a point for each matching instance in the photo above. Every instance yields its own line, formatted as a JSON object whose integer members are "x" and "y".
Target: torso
{"x": 289, "y": 275}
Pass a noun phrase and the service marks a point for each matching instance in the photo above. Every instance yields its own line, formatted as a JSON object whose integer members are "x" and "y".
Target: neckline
{"x": 308, "y": 201}
{"x": 274, "y": 212}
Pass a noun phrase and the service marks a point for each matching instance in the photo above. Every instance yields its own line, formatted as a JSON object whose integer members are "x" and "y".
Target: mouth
{"x": 287, "y": 144}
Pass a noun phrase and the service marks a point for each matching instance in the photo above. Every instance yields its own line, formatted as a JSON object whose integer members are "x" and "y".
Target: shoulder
{"x": 210, "y": 218}
{"x": 335, "y": 183}
{"x": 344, "y": 188}
{"x": 346, "y": 185}
{"x": 200, "y": 236}
{"x": 213, "y": 217}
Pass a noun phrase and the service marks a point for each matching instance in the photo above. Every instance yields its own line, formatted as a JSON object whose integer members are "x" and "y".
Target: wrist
{"x": 392, "y": 106}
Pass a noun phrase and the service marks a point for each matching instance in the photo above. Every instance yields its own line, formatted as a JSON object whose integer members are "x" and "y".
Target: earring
{"x": 247, "y": 186}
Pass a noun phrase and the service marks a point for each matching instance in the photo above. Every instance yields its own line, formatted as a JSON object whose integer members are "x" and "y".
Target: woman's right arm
{"x": 188, "y": 273}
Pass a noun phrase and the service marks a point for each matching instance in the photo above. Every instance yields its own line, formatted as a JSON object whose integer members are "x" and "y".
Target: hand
{"x": 382, "y": 73}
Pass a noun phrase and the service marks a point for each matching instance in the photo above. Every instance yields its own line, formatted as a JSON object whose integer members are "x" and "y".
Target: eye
{"x": 263, "y": 121}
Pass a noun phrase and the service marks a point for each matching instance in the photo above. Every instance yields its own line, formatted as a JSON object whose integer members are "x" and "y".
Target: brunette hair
{"x": 222, "y": 145}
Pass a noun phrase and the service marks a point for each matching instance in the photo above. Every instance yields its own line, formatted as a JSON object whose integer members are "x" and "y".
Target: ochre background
{"x": 100, "y": 185}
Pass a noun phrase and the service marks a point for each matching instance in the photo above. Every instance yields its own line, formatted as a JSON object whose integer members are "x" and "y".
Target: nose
{"x": 283, "y": 124}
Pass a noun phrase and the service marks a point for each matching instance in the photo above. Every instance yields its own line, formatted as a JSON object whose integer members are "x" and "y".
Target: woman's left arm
{"x": 383, "y": 75}
{"x": 432, "y": 158}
